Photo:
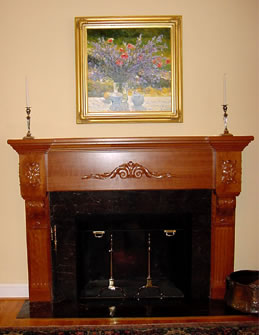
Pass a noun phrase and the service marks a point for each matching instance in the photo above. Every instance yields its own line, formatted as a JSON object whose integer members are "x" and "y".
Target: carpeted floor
{"x": 248, "y": 328}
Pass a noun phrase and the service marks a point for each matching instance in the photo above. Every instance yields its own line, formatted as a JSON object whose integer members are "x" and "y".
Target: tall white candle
{"x": 27, "y": 92}
{"x": 224, "y": 89}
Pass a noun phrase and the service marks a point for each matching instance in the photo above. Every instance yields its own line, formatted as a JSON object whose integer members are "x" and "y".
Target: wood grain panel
{"x": 38, "y": 242}
{"x": 189, "y": 170}
{"x": 222, "y": 243}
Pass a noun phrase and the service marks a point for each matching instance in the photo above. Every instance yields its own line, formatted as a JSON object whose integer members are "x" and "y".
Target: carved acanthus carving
{"x": 31, "y": 172}
{"x": 129, "y": 170}
{"x": 225, "y": 208}
{"x": 229, "y": 171}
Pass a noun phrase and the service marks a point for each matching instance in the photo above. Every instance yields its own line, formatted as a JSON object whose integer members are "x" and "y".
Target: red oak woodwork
{"x": 129, "y": 164}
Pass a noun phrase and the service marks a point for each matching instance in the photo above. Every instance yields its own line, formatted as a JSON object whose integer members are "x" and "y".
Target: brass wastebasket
{"x": 242, "y": 291}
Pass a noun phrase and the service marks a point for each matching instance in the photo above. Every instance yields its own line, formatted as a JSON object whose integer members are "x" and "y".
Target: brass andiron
{"x": 225, "y": 118}
{"x": 149, "y": 285}
{"x": 111, "y": 285}
{"x": 28, "y": 117}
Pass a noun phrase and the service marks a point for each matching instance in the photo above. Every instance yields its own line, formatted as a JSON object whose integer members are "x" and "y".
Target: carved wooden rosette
{"x": 229, "y": 171}
{"x": 33, "y": 190}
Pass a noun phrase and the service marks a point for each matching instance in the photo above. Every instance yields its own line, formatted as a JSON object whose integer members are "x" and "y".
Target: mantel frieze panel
{"x": 130, "y": 169}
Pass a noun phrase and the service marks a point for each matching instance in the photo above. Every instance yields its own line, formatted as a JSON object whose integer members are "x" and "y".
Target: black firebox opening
{"x": 134, "y": 256}
{"x": 159, "y": 239}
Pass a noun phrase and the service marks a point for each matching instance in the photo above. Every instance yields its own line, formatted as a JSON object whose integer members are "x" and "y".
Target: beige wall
{"x": 37, "y": 40}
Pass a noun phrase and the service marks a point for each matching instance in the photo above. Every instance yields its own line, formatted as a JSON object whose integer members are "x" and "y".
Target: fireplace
{"x": 95, "y": 191}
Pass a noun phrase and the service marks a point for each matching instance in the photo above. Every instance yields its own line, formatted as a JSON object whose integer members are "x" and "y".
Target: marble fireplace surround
{"x": 158, "y": 163}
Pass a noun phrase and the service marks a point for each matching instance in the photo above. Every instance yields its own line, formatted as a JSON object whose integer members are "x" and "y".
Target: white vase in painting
{"x": 138, "y": 101}
{"x": 119, "y": 97}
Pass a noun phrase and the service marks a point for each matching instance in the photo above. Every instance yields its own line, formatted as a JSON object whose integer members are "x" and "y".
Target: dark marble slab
{"x": 109, "y": 309}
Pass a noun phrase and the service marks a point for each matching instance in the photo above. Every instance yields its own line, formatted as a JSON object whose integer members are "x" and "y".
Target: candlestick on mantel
{"x": 28, "y": 118}
{"x": 225, "y": 118}
{"x": 225, "y": 106}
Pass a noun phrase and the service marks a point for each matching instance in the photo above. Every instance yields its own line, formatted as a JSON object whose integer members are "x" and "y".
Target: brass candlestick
{"x": 225, "y": 118}
{"x": 28, "y": 118}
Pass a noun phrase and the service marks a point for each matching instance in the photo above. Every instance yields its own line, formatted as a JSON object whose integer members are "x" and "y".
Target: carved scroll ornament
{"x": 35, "y": 209}
{"x": 129, "y": 170}
{"x": 226, "y": 206}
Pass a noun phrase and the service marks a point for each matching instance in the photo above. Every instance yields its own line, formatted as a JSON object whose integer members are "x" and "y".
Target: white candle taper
{"x": 224, "y": 89}
{"x": 27, "y": 92}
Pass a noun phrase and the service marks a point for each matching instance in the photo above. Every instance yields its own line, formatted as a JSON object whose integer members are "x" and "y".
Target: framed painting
{"x": 129, "y": 69}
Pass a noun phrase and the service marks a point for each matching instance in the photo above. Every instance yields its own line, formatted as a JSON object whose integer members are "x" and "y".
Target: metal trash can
{"x": 242, "y": 291}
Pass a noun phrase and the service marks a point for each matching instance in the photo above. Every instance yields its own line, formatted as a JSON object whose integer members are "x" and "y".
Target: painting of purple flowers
{"x": 128, "y": 72}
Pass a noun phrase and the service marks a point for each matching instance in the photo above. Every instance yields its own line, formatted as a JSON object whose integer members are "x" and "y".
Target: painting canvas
{"x": 128, "y": 71}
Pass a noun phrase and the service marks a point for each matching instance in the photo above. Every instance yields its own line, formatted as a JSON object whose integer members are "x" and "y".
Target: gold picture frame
{"x": 129, "y": 69}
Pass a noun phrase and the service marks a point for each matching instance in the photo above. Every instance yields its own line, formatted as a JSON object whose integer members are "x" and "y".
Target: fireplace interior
{"x": 130, "y": 250}
{"x": 133, "y": 253}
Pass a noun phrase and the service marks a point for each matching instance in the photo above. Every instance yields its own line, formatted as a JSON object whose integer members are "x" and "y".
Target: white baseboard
{"x": 14, "y": 291}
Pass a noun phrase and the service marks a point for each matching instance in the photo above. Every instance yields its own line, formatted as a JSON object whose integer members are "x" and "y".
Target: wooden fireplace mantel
{"x": 197, "y": 162}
